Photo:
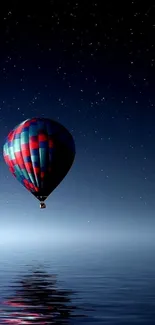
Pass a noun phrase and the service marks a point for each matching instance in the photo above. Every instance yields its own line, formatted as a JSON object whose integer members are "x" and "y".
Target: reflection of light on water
{"x": 25, "y": 318}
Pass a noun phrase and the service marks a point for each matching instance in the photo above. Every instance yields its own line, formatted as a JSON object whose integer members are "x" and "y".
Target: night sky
{"x": 89, "y": 65}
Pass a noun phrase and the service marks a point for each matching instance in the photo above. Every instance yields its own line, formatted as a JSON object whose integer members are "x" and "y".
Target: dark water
{"x": 77, "y": 284}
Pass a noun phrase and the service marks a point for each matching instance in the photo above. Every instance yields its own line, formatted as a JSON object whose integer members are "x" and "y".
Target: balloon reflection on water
{"x": 38, "y": 300}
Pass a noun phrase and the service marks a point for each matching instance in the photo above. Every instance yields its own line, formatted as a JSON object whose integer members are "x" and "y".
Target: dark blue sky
{"x": 92, "y": 68}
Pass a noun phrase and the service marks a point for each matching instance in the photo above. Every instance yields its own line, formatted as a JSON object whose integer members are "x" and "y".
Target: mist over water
{"x": 44, "y": 230}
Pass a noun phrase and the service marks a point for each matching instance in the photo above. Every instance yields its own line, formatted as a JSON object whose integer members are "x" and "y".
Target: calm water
{"x": 77, "y": 284}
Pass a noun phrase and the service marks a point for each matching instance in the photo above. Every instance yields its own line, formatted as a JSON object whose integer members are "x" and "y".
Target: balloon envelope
{"x": 39, "y": 153}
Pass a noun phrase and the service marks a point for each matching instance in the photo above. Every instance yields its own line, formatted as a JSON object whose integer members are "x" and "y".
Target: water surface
{"x": 74, "y": 283}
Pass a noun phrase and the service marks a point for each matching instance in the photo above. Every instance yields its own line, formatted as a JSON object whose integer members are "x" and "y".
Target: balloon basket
{"x": 42, "y": 205}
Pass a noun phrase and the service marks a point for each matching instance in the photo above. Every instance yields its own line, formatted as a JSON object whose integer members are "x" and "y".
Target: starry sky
{"x": 91, "y": 67}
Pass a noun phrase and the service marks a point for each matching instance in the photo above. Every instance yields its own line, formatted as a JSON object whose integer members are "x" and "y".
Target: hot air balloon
{"x": 39, "y": 153}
